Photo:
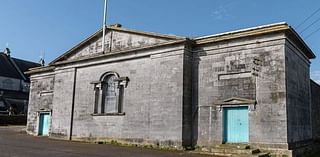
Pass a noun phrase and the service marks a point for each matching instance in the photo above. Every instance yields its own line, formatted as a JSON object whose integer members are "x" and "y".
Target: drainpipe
{"x": 194, "y": 97}
{"x": 73, "y": 100}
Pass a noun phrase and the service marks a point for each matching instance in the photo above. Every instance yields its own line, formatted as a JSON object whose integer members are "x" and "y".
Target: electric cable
{"x": 308, "y": 18}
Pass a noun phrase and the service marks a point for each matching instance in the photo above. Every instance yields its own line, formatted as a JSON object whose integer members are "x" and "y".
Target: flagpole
{"x": 104, "y": 25}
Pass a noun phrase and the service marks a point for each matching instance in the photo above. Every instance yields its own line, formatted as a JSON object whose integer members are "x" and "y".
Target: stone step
{"x": 236, "y": 155}
{"x": 252, "y": 155}
{"x": 237, "y": 145}
{"x": 224, "y": 150}
{"x": 261, "y": 155}
{"x": 238, "y": 150}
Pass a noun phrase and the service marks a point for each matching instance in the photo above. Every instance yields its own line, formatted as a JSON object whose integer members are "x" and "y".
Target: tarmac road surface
{"x": 14, "y": 142}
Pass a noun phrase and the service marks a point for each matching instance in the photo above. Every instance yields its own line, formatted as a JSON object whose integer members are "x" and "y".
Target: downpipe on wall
{"x": 73, "y": 100}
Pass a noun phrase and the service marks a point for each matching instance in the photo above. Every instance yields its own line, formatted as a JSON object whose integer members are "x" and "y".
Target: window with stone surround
{"x": 109, "y": 92}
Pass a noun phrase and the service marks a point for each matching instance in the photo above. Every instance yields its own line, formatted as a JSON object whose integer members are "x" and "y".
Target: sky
{"x": 33, "y": 27}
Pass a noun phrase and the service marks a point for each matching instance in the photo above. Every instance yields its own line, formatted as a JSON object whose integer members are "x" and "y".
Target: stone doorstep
{"x": 236, "y": 155}
{"x": 239, "y": 150}
{"x": 233, "y": 145}
{"x": 261, "y": 155}
{"x": 277, "y": 152}
{"x": 254, "y": 155}
{"x": 234, "y": 151}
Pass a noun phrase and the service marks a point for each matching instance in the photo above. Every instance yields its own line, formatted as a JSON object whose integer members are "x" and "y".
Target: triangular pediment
{"x": 236, "y": 101}
{"x": 116, "y": 40}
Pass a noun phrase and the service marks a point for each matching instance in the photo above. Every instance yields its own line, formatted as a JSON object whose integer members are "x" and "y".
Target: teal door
{"x": 236, "y": 126}
{"x": 44, "y": 124}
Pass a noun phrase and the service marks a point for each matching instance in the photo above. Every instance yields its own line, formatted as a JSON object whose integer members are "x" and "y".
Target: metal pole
{"x": 104, "y": 25}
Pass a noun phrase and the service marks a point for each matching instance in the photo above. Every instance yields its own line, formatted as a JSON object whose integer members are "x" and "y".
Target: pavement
{"x": 14, "y": 142}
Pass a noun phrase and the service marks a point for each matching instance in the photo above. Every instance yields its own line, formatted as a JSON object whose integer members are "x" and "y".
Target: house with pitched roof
{"x": 14, "y": 84}
{"x": 245, "y": 87}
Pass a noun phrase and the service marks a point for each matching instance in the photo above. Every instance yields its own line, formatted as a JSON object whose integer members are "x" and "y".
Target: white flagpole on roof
{"x": 104, "y": 25}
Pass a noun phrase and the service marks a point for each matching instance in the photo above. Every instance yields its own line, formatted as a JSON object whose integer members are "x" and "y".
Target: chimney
{"x": 42, "y": 62}
{"x": 116, "y": 25}
{"x": 7, "y": 52}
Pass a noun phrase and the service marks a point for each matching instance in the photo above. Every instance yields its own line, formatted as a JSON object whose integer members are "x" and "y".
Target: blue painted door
{"x": 44, "y": 124}
{"x": 236, "y": 125}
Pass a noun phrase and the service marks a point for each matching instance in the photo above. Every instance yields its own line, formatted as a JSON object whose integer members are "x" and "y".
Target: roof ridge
{"x": 242, "y": 30}
{"x": 172, "y": 36}
{"x": 25, "y": 60}
{"x": 2, "y": 53}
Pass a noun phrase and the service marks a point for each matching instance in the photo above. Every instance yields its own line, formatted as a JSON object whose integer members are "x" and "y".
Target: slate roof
{"x": 8, "y": 67}
{"x": 24, "y": 65}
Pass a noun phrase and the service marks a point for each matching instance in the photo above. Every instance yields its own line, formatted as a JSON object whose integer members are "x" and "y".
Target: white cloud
{"x": 221, "y": 13}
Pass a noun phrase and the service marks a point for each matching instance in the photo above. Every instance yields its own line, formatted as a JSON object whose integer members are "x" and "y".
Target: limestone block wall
{"x": 152, "y": 102}
{"x": 62, "y": 102}
{"x": 315, "y": 110}
{"x": 223, "y": 70}
{"x": 298, "y": 96}
{"x": 40, "y": 99}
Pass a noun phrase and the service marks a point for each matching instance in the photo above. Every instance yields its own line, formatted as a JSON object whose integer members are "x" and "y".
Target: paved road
{"x": 15, "y": 143}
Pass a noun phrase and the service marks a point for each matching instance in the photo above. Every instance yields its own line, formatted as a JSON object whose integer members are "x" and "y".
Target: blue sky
{"x": 54, "y": 26}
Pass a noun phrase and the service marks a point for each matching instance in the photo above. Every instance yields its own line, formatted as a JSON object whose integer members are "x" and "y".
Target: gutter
{"x": 73, "y": 100}
{"x": 38, "y": 70}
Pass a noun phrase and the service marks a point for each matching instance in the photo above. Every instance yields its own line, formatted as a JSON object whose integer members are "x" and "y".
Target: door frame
{"x": 39, "y": 113}
{"x": 224, "y": 122}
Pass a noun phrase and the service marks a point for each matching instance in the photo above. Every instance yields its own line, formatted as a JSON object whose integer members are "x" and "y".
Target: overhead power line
{"x": 305, "y": 20}
{"x": 314, "y": 22}
{"x": 312, "y": 33}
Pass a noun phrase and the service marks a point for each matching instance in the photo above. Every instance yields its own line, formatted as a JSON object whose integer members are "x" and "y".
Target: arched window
{"x": 109, "y": 94}
{"x": 110, "y": 91}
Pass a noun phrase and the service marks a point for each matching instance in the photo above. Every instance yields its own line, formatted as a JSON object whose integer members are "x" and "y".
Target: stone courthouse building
{"x": 248, "y": 86}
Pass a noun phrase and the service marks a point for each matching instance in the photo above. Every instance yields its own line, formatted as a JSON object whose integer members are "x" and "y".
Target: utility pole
{"x": 104, "y": 25}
